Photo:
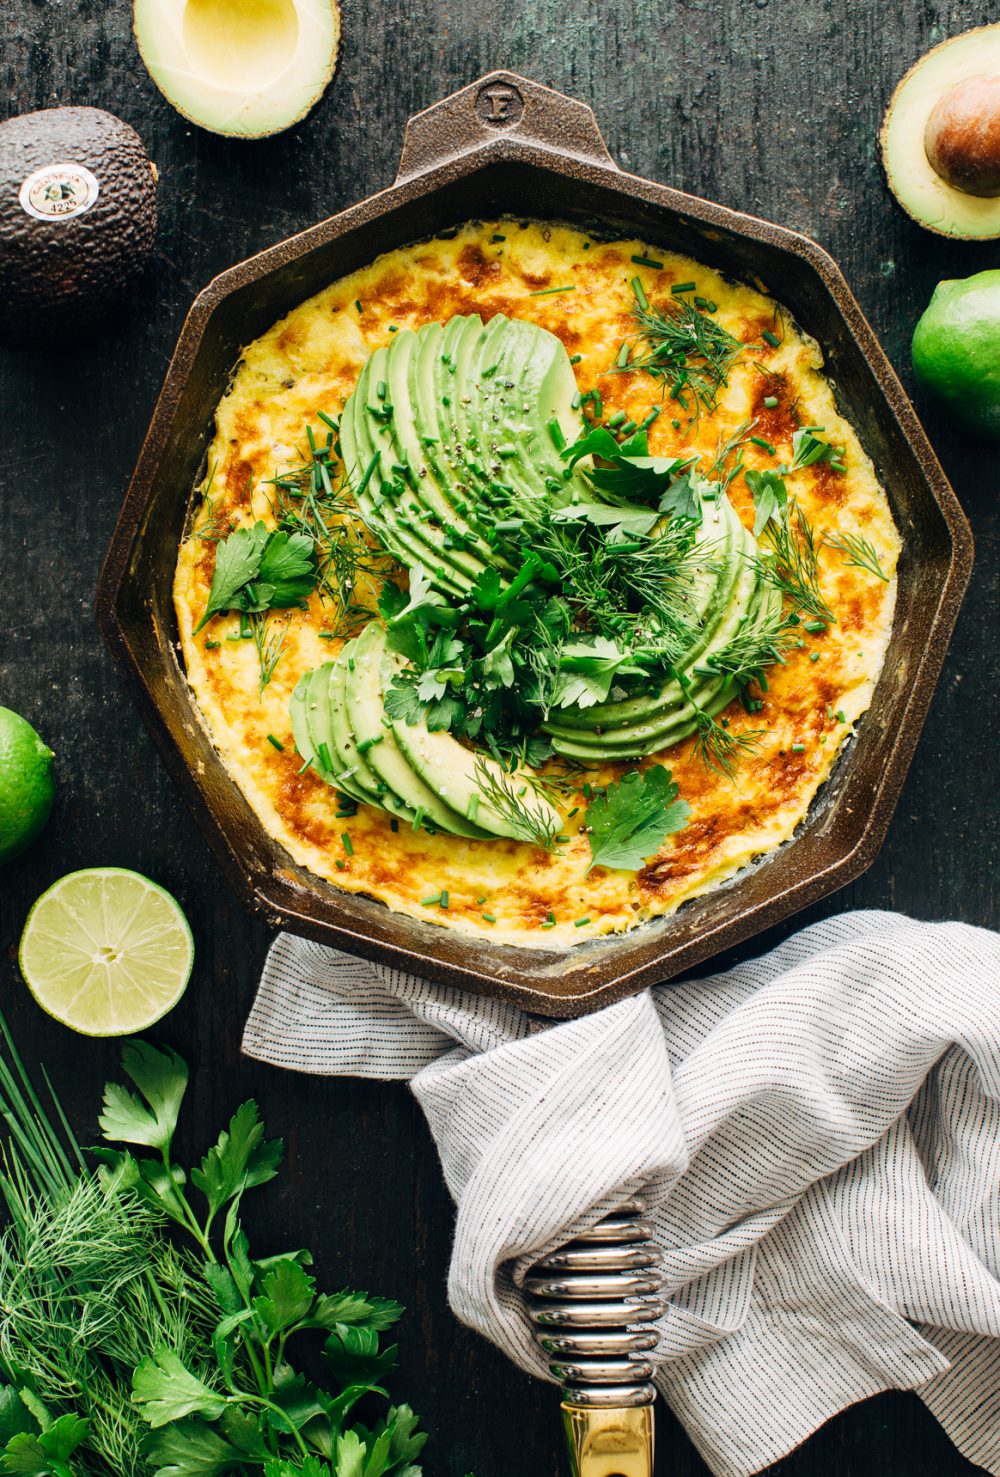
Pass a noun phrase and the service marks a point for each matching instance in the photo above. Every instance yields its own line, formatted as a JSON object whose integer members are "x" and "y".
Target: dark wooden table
{"x": 768, "y": 105}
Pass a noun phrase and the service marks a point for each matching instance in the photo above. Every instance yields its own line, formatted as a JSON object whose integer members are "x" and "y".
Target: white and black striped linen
{"x": 817, "y": 1133}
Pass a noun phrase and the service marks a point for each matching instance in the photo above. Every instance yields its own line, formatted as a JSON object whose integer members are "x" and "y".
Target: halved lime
{"x": 106, "y": 951}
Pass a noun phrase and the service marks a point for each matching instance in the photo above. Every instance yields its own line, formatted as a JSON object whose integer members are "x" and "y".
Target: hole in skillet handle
{"x": 500, "y": 105}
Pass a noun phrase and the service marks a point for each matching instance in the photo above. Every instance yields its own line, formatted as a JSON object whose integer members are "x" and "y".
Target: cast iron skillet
{"x": 505, "y": 145}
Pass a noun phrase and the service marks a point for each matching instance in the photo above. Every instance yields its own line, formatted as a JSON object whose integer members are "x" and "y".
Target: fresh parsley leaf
{"x": 682, "y": 498}
{"x": 359, "y": 1308}
{"x": 632, "y": 473}
{"x": 627, "y": 518}
{"x": 15, "y": 1417}
{"x": 310, "y": 1466}
{"x": 190, "y": 1449}
{"x": 237, "y": 562}
{"x": 498, "y": 664}
{"x": 240, "y": 1160}
{"x": 351, "y": 1453}
{"x": 633, "y": 818}
{"x": 586, "y": 671}
{"x": 770, "y": 498}
{"x": 288, "y": 566}
{"x": 166, "y": 1391}
{"x": 161, "y": 1077}
{"x": 46, "y": 1454}
{"x": 354, "y": 1355}
{"x": 402, "y": 702}
{"x": 287, "y": 1296}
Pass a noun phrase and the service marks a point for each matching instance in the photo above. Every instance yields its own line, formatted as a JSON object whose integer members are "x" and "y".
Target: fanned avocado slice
{"x": 365, "y": 692}
{"x": 321, "y": 732}
{"x": 374, "y": 790}
{"x": 450, "y": 771}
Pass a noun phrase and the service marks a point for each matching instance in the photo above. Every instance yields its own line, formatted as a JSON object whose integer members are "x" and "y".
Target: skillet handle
{"x": 501, "y": 105}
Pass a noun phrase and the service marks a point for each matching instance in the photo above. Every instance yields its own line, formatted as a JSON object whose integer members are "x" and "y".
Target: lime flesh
{"x": 106, "y": 952}
{"x": 26, "y": 786}
{"x": 956, "y": 350}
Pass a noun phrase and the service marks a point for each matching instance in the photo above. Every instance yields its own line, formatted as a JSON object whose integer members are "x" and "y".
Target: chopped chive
{"x": 615, "y": 420}
{"x": 648, "y": 261}
{"x": 418, "y": 818}
{"x": 650, "y": 418}
{"x": 841, "y": 716}
{"x": 814, "y": 656}
{"x": 393, "y": 328}
{"x": 548, "y": 291}
{"x": 621, "y": 362}
{"x": 480, "y": 900}
{"x": 639, "y": 295}
{"x": 443, "y": 899}
{"x": 324, "y": 758}
{"x": 706, "y": 304}
{"x": 394, "y": 824}
{"x": 628, "y": 428}
{"x": 350, "y": 664}
{"x": 305, "y": 766}
{"x": 556, "y": 432}
{"x": 581, "y": 922}
{"x": 576, "y": 401}
{"x": 328, "y": 420}
{"x": 765, "y": 445}
{"x": 369, "y": 472}
{"x": 357, "y": 304}
{"x": 771, "y": 338}
{"x": 798, "y": 748}
{"x": 683, "y": 287}
{"x": 325, "y": 635}
{"x": 348, "y": 845}
{"x": 212, "y": 645}
{"x": 549, "y": 923}
{"x": 381, "y": 389}
{"x": 489, "y": 917}
{"x": 498, "y": 236}
{"x": 369, "y": 743}
{"x": 340, "y": 866}
{"x": 576, "y": 358}
{"x": 432, "y": 901}
{"x": 276, "y": 742}
{"x": 770, "y": 401}
{"x": 814, "y": 626}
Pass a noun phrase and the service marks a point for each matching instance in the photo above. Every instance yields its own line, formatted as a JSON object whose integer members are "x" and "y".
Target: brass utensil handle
{"x": 501, "y": 107}
{"x": 614, "y": 1441}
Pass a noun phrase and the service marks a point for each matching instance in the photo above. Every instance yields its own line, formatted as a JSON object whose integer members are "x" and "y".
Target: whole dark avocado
{"x": 77, "y": 220}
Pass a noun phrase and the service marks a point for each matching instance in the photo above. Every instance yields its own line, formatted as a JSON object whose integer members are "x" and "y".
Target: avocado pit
{"x": 962, "y": 137}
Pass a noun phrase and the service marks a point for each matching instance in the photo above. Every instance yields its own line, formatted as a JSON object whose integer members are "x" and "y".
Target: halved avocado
{"x": 941, "y": 137}
{"x": 244, "y": 68}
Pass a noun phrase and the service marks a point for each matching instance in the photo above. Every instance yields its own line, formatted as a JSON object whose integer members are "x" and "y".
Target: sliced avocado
{"x": 365, "y": 690}
{"x": 450, "y": 771}
{"x": 320, "y": 720}
{"x": 77, "y": 220}
{"x": 359, "y": 772}
{"x": 941, "y": 137}
{"x": 247, "y": 69}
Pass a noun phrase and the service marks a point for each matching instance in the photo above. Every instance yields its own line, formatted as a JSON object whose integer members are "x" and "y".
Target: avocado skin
{"x": 60, "y": 277}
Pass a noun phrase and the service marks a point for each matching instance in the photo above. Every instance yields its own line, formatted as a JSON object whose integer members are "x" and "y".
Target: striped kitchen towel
{"x": 817, "y": 1133}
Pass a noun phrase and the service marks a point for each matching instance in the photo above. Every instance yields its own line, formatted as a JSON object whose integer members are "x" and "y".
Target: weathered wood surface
{"x": 770, "y": 106}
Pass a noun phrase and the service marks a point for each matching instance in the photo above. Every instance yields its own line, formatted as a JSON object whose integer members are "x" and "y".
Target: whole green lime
{"x": 26, "y": 785}
{"x": 956, "y": 350}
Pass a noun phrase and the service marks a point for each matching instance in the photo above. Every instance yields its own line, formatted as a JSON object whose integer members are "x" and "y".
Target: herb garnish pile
{"x": 137, "y": 1332}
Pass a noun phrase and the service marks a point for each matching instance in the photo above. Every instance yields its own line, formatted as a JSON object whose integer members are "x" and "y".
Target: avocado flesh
{"x": 920, "y": 190}
{"x": 355, "y": 764}
{"x": 450, "y": 770}
{"x": 409, "y": 428}
{"x": 244, "y": 69}
{"x": 321, "y": 731}
{"x": 383, "y": 502}
{"x": 645, "y": 724}
{"x": 365, "y": 692}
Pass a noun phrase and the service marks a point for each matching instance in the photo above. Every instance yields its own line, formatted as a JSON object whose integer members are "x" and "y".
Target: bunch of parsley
{"x": 137, "y": 1332}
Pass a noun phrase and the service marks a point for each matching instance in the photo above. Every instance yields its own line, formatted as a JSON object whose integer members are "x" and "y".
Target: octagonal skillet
{"x": 505, "y": 145}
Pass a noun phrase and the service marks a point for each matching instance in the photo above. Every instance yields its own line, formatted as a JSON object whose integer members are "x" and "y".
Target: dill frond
{"x": 528, "y": 814}
{"x": 858, "y": 552}
{"x": 687, "y": 349}
{"x": 791, "y": 565}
